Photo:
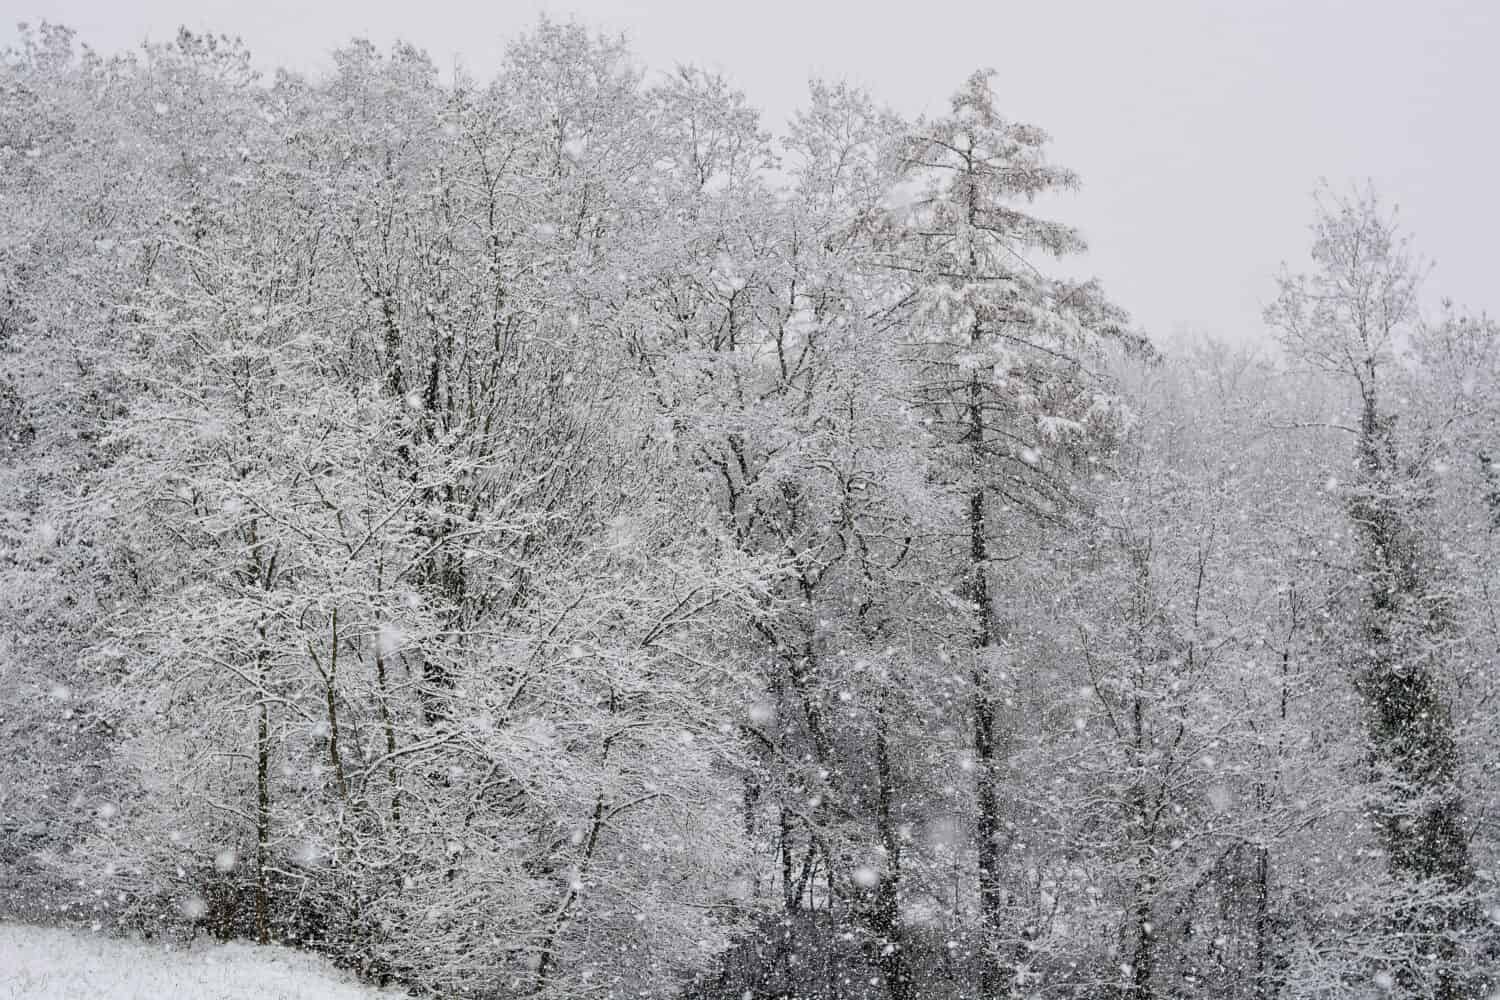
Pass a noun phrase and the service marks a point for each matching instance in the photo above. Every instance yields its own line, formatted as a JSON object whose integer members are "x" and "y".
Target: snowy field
{"x": 38, "y": 963}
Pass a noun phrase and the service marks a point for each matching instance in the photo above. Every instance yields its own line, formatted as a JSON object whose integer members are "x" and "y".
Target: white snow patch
{"x": 906, "y": 193}
{"x": 1220, "y": 797}
{"x": 52, "y": 964}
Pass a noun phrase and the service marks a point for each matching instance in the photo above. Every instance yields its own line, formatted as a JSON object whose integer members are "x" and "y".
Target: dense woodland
{"x": 550, "y": 537}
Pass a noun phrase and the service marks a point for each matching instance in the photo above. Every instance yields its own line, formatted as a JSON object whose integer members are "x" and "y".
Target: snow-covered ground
{"x": 38, "y": 963}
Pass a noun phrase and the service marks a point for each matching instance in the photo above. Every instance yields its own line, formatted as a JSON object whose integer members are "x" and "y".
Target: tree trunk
{"x": 1411, "y": 730}
{"x": 992, "y": 979}
{"x": 1143, "y": 962}
{"x": 1265, "y": 989}
{"x": 330, "y": 697}
{"x": 390, "y": 738}
{"x": 987, "y": 822}
{"x": 886, "y": 921}
{"x": 262, "y": 821}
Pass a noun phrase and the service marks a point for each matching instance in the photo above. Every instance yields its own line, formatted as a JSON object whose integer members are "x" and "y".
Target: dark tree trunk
{"x": 992, "y": 980}
{"x": 1265, "y": 988}
{"x": 1410, "y": 728}
{"x": 262, "y": 822}
{"x": 886, "y": 921}
{"x": 1143, "y": 961}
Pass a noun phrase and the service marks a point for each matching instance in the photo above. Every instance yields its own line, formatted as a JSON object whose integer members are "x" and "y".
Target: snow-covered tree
{"x": 1002, "y": 355}
{"x": 1350, "y": 317}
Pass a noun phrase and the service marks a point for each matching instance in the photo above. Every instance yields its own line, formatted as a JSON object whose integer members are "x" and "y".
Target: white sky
{"x": 1199, "y": 127}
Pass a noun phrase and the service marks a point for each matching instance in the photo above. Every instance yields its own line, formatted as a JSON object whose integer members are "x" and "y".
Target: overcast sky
{"x": 1199, "y": 127}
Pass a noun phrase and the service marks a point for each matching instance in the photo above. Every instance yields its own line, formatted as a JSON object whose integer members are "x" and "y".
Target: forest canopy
{"x": 549, "y": 536}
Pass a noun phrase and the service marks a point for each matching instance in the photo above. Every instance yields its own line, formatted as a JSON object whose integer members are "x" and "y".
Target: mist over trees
{"x": 551, "y": 537}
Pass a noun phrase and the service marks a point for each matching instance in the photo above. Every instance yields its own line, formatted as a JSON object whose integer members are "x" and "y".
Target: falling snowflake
{"x": 390, "y": 639}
